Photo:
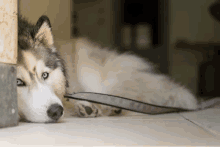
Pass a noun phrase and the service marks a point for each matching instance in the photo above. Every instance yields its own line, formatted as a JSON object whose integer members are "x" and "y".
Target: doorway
{"x": 142, "y": 26}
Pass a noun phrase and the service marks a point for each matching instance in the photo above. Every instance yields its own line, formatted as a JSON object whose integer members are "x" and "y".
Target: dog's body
{"x": 42, "y": 78}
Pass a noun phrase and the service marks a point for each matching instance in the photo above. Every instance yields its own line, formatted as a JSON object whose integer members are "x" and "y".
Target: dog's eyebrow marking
{"x": 31, "y": 75}
{"x": 34, "y": 69}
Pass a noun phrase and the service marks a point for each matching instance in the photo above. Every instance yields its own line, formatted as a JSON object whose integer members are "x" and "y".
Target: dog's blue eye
{"x": 45, "y": 75}
{"x": 20, "y": 83}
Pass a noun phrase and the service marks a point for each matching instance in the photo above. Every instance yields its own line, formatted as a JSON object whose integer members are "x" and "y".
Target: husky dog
{"x": 42, "y": 77}
{"x": 41, "y": 74}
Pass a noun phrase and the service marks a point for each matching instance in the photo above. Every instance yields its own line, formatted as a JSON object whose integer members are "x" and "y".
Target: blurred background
{"x": 179, "y": 36}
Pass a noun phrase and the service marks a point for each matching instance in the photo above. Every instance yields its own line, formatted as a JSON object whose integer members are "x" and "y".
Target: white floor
{"x": 194, "y": 128}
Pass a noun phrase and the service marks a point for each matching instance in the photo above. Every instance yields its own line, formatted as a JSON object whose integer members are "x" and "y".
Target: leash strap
{"x": 123, "y": 103}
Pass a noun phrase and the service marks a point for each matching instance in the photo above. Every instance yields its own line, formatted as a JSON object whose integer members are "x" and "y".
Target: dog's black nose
{"x": 55, "y": 111}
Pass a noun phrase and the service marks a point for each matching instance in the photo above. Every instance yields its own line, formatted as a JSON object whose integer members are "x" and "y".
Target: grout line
{"x": 199, "y": 125}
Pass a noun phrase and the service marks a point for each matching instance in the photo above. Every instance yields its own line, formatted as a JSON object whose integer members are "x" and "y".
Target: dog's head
{"x": 41, "y": 75}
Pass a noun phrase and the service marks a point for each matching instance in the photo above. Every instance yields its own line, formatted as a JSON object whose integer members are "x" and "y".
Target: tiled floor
{"x": 194, "y": 128}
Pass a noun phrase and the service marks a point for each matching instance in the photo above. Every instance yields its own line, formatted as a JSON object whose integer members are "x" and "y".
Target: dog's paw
{"x": 110, "y": 111}
{"x": 117, "y": 111}
{"x": 86, "y": 109}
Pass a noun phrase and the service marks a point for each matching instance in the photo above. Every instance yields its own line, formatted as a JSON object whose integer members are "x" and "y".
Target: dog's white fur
{"x": 105, "y": 71}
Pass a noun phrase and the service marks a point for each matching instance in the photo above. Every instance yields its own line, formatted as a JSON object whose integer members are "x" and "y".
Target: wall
{"x": 95, "y": 20}
{"x": 190, "y": 20}
{"x": 96, "y": 17}
{"x": 59, "y": 12}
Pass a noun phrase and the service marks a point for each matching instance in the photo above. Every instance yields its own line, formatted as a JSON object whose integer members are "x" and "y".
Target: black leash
{"x": 123, "y": 103}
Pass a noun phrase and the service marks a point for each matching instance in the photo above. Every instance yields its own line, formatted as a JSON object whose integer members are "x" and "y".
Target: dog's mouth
{"x": 46, "y": 122}
{"x": 24, "y": 119}
{"x": 52, "y": 121}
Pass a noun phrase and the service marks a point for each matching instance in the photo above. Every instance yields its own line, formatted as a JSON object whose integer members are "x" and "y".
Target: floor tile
{"x": 111, "y": 131}
{"x": 208, "y": 119}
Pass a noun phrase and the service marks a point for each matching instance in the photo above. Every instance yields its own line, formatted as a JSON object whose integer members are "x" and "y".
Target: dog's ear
{"x": 43, "y": 31}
